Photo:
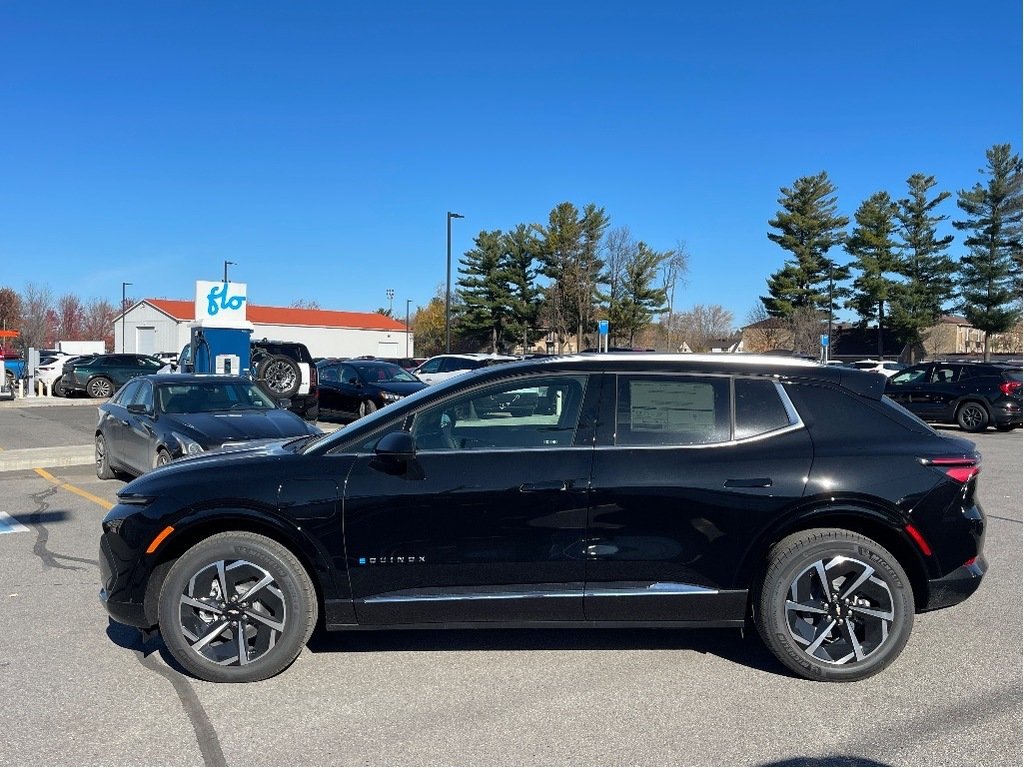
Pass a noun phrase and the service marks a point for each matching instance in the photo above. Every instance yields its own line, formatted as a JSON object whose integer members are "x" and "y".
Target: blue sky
{"x": 320, "y": 144}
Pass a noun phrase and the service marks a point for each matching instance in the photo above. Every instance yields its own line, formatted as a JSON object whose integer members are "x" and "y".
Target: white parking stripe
{"x": 9, "y": 525}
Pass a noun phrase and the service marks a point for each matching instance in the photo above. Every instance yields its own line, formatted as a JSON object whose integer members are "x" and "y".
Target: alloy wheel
{"x": 840, "y": 610}
{"x": 972, "y": 416}
{"x": 280, "y": 376}
{"x": 232, "y": 612}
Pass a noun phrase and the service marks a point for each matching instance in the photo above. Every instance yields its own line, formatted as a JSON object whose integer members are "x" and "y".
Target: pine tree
{"x": 922, "y": 299}
{"x": 483, "y": 289}
{"x": 520, "y": 264}
{"x": 990, "y": 271}
{"x": 808, "y": 226}
{"x": 640, "y": 299}
{"x": 874, "y": 248}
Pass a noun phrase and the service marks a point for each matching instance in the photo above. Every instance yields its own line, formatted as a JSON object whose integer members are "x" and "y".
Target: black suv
{"x": 287, "y": 371}
{"x": 973, "y": 395}
{"x": 620, "y": 491}
{"x": 351, "y": 389}
{"x": 103, "y": 375}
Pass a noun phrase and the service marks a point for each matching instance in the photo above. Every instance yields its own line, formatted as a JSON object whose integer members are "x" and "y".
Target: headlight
{"x": 391, "y": 397}
{"x": 189, "y": 447}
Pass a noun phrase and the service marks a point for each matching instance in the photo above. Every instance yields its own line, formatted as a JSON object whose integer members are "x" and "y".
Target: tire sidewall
{"x": 775, "y": 629}
{"x": 279, "y": 359}
{"x": 291, "y": 579}
{"x": 981, "y": 426}
{"x": 97, "y": 382}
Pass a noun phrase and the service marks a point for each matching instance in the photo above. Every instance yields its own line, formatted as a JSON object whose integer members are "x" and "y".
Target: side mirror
{"x": 138, "y": 408}
{"x": 396, "y": 445}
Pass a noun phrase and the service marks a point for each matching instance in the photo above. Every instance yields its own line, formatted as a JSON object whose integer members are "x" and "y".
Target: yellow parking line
{"x": 69, "y": 487}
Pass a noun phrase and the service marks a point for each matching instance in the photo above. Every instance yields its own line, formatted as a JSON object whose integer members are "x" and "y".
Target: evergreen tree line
{"x": 558, "y": 278}
{"x": 901, "y": 274}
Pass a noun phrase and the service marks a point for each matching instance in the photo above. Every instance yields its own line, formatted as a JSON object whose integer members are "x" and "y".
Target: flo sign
{"x": 221, "y": 304}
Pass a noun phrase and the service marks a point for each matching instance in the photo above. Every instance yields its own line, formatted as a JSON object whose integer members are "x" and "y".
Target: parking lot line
{"x": 69, "y": 487}
{"x": 9, "y": 525}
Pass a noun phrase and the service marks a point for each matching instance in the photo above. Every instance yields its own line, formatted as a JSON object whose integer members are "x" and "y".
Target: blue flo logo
{"x": 217, "y": 299}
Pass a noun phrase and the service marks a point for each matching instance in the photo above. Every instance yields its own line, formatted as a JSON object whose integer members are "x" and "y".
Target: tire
{"x": 12, "y": 384}
{"x": 972, "y": 416}
{"x": 103, "y": 469}
{"x": 101, "y": 386}
{"x": 163, "y": 458}
{"x": 57, "y": 389}
{"x": 366, "y": 408}
{"x": 276, "y": 622}
{"x": 849, "y": 635}
{"x": 280, "y": 375}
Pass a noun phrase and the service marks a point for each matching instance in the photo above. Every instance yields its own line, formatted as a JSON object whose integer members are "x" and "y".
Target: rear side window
{"x": 836, "y": 414}
{"x": 672, "y": 410}
{"x": 759, "y": 408}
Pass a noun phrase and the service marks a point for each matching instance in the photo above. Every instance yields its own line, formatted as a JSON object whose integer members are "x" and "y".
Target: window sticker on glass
{"x": 671, "y": 406}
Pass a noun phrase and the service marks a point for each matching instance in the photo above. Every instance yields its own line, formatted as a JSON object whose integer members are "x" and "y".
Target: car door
{"x": 936, "y": 395}
{"x": 908, "y": 388}
{"x": 139, "y": 436}
{"x": 486, "y": 522}
{"x": 113, "y": 423}
{"x": 428, "y": 372}
{"x": 679, "y": 490}
{"x": 330, "y": 396}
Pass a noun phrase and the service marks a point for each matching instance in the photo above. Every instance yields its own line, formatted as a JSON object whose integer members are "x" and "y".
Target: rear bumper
{"x": 957, "y": 586}
{"x": 1008, "y": 414}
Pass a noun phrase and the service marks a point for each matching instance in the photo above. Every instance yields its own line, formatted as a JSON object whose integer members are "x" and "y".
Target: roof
{"x": 261, "y": 315}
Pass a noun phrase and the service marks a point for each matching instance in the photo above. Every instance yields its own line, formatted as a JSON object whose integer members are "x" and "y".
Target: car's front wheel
{"x": 103, "y": 469}
{"x": 237, "y": 607}
{"x": 834, "y": 605}
{"x": 366, "y": 408}
{"x": 58, "y": 389}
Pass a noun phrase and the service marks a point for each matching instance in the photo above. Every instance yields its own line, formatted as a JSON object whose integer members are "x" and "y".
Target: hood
{"x": 212, "y": 429}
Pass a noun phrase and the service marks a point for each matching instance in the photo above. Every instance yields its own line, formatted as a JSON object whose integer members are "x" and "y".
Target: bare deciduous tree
{"x": 700, "y": 325}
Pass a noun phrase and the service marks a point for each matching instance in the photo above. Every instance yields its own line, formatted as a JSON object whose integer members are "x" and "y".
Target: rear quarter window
{"x": 839, "y": 414}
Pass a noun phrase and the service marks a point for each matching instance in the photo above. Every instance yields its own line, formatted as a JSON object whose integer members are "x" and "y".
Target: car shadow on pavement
{"x": 142, "y": 644}
{"x": 727, "y": 644}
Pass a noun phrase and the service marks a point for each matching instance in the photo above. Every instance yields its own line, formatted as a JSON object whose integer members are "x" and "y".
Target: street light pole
{"x": 408, "y": 331}
{"x": 226, "y": 269}
{"x": 124, "y": 300}
{"x": 448, "y": 287}
{"x": 828, "y": 347}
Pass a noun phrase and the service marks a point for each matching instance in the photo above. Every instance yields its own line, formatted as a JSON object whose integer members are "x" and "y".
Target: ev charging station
{"x": 220, "y": 335}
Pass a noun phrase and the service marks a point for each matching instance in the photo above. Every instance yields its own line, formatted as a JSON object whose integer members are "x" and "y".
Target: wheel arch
{"x": 871, "y": 521}
{"x": 211, "y": 522}
{"x": 972, "y": 398}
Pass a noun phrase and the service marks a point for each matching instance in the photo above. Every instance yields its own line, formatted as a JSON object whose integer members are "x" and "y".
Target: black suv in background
{"x": 103, "y": 375}
{"x": 973, "y": 395}
{"x": 351, "y": 389}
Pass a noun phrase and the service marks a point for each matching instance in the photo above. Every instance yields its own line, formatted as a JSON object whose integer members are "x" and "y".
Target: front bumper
{"x": 957, "y": 586}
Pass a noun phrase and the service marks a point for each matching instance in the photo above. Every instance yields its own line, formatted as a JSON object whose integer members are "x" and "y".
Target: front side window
{"x": 431, "y": 366}
{"x": 127, "y": 393}
{"x": 910, "y": 376}
{"x": 672, "y": 410}
{"x": 144, "y": 395}
{"x": 531, "y": 413}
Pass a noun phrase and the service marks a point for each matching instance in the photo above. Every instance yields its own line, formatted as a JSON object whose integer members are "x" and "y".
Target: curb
{"x": 30, "y": 458}
{"x": 40, "y": 401}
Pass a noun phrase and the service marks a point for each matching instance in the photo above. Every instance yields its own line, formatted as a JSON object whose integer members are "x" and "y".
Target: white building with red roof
{"x": 163, "y": 325}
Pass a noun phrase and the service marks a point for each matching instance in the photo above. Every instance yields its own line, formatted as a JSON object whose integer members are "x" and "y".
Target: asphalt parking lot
{"x": 78, "y": 689}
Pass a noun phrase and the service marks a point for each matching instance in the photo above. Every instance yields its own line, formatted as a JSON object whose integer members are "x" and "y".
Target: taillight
{"x": 959, "y": 468}
{"x": 1010, "y": 387}
{"x": 314, "y": 376}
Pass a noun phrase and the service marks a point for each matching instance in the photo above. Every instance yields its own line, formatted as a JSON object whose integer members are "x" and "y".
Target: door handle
{"x": 748, "y": 482}
{"x": 549, "y": 485}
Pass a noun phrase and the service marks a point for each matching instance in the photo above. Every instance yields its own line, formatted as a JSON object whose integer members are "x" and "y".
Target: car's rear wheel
{"x": 237, "y": 607}
{"x": 834, "y": 605}
{"x": 10, "y": 382}
{"x": 103, "y": 469}
{"x": 972, "y": 416}
{"x": 280, "y": 374}
{"x": 100, "y": 387}
{"x": 57, "y": 389}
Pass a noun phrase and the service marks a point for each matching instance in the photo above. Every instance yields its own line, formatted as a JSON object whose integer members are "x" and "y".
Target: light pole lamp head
{"x": 455, "y": 215}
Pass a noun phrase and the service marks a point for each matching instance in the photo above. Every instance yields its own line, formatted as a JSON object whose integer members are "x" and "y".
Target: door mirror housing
{"x": 139, "y": 408}
{"x": 396, "y": 445}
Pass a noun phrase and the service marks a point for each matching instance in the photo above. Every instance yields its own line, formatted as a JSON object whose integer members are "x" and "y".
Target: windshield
{"x": 211, "y": 397}
{"x": 383, "y": 373}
